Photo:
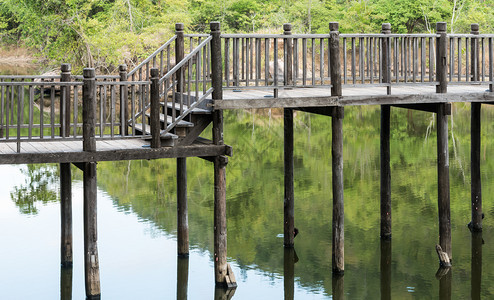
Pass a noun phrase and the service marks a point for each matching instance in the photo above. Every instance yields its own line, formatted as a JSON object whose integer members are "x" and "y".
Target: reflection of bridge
{"x": 161, "y": 107}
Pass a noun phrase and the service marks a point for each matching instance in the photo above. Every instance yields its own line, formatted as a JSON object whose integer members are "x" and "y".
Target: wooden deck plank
{"x": 317, "y": 97}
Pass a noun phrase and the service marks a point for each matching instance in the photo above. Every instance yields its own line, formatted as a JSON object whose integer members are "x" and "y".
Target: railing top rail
{"x": 275, "y": 36}
{"x": 196, "y": 35}
{"x": 152, "y": 55}
{"x": 185, "y": 60}
{"x": 80, "y": 77}
{"x": 393, "y": 35}
{"x": 30, "y": 76}
{"x": 42, "y": 83}
{"x": 468, "y": 35}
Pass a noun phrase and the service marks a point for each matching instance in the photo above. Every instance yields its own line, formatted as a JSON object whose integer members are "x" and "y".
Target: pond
{"x": 137, "y": 217}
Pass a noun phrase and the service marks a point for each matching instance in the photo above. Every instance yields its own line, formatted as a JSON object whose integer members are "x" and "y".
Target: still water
{"x": 137, "y": 217}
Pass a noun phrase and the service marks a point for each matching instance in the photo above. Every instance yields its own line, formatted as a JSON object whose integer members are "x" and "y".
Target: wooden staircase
{"x": 185, "y": 132}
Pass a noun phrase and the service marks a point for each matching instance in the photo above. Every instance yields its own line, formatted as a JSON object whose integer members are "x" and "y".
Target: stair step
{"x": 181, "y": 123}
{"x": 147, "y": 130}
{"x": 197, "y": 111}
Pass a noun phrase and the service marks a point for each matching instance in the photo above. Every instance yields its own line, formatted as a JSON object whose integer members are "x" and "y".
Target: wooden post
{"x": 289, "y": 199}
{"x": 475, "y": 57}
{"x": 475, "y": 130}
{"x": 179, "y": 52}
{"x": 476, "y": 265}
{"x": 338, "y": 244}
{"x": 288, "y": 76}
{"x": 289, "y": 272}
{"x": 441, "y": 58}
{"x": 442, "y": 142}
{"x": 91, "y": 261}
{"x": 88, "y": 110}
{"x": 476, "y": 186}
{"x": 338, "y": 254}
{"x": 385, "y": 147}
{"x": 220, "y": 241}
{"x": 155, "y": 109}
{"x": 65, "y": 103}
{"x": 385, "y": 269}
{"x": 124, "y": 105}
{"x": 386, "y": 56}
{"x": 443, "y": 180}
{"x": 334, "y": 58}
{"x": 182, "y": 277}
{"x": 66, "y": 215}
{"x": 223, "y": 274}
{"x": 182, "y": 211}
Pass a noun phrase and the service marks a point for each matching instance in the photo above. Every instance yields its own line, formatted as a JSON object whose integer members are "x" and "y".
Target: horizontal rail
{"x": 185, "y": 60}
{"x": 154, "y": 54}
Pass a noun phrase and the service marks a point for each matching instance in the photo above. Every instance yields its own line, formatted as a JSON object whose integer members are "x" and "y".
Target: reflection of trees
{"x": 255, "y": 196}
{"x": 38, "y": 188}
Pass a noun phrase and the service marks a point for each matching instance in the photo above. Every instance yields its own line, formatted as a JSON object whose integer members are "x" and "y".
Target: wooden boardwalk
{"x": 160, "y": 108}
{"x": 351, "y": 96}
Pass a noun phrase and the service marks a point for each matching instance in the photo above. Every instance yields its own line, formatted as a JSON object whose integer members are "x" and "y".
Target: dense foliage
{"x": 105, "y": 33}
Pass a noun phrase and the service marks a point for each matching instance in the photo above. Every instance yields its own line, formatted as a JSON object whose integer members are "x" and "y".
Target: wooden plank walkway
{"x": 362, "y": 95}
{"x": 106, "y": 150}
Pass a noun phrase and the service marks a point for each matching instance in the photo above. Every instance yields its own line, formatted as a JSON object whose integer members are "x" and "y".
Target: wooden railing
{"x": 302, "y": 60}
{"x": 48, "y": 108}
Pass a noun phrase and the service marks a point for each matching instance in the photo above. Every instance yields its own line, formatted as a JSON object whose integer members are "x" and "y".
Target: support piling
{"x": 289, "y": 201}
{"x": 182, "y": 210}
{"x": 66, "y": 215}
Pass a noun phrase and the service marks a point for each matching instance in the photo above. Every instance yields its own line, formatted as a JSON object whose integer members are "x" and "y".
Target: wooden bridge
{"x": 160, "y": 108}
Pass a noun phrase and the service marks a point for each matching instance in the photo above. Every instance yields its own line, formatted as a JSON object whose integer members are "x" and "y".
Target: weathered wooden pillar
{"x": 124, "y": 105}
{"x": 91, "y": 261}
{"x": 442, "y": 143}
{"x": 155, "y": 109}
{"x": 476, "y": 266}
{"x": 288, "y": 56}
{"x": 182, "y": 277}
{"x": 338, "y": 245}
{"x": 385, "y": 269}
{"x": 182, "y": 211}
{"x": 441, "y": 58}
{"x": 289, "y": 272}
{"x": 223, "y": 274}
{"x": 89, "y": 110}
{"x": 289, "y": 198}
{"x": 179, "y": 52}
{"x": 66, "y": 215}
{"x": 475, "y": 130}
{"x": 65, "y": 101}
{"x": 443, "y": 181}
{"x": 476, "y": 186}
{"x": 474, "y": 54}
{"x": 289, "y": 194}
{"x": 385, "y": 146}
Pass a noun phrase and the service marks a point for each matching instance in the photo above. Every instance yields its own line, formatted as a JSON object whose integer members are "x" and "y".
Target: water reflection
{"x": 445, "y": 276}
{"x": 476, "y": 264}
{"x": 182, "y": 277}
{"x": 289, "y": 260}
{"x": 221, "y": 293}
{"x": 338, "y": 287}
{"x": 385, "y": 269}
{"x": 66, "y": 283}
